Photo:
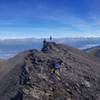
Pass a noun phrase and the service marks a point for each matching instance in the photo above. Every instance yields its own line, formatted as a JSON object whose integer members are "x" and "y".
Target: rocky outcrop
{"x": 32, "y": 76}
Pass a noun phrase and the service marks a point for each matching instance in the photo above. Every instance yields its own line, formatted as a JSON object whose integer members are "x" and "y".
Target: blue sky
{"x": 41, "y": 18}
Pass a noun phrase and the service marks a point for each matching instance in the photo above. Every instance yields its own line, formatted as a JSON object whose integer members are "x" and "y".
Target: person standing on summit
{"x": 50, "y": 37}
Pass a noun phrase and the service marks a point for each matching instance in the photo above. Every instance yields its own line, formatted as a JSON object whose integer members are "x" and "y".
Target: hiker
{"x": 44, "y": 41}
{"x": 45, "y": 45}
{"x": 57, "y": 65}
{"x": 50, "y": 38}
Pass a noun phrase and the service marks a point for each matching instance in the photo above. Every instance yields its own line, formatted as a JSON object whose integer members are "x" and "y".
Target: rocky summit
{"x": 30, "y": 75}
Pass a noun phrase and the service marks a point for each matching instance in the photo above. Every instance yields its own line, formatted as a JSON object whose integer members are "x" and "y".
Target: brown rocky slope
{"x": 29, "y": 76}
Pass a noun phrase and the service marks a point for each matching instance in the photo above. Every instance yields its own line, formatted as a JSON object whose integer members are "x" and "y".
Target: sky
{"x": 42, "y": 18}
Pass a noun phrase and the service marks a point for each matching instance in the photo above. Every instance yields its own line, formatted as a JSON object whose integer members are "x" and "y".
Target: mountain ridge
{"x": 30, "y": 75}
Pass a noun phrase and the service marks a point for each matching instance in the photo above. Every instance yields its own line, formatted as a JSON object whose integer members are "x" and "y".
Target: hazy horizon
{"x": 7, "y": 38}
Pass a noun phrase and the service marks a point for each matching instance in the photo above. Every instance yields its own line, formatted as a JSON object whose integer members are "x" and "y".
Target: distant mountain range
{"x": 76, "y": 42}
{"x": 10, "y": 47}
{"x": 94, "y": 51}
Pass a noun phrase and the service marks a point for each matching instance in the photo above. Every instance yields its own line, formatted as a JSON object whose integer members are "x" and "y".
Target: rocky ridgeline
{"x": 77, "y": 79}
